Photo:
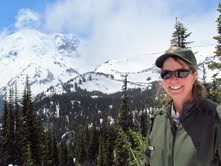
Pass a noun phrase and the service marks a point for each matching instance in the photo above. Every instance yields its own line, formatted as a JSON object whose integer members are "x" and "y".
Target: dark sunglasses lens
{"x": 166, "y": 74}
{"x": 181, "y": 73}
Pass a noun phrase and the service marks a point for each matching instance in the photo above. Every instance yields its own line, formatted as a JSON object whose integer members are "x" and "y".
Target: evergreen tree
{"x": 122, "y": 149}
{"x": 82, "y": 154}
{"x": 64, "y": 154}
{"x": 94, "y": 145}
{"x": 123, "y": 119}
{"x": 19, "y": 133}
{"x": 143, "y": 123}
{"x": 8, "y": 153}
{"x": 4, "y": 131}
{"x": 49, "y": 148}
{"x": 180, "y": 35}
{"x": 109, "y": 145}
{"x": 122, "y": 144}
{"x": 218, "y": 37}
{"x": 29, "y": 159}
{"x": 32, "y": 127}
{"x": 217, "y": 65}
{"x": 136, "y": 157}
{"x": 215, "y": 91}
{"x": 55, "y": 152}
{"x": 101, "y": 153}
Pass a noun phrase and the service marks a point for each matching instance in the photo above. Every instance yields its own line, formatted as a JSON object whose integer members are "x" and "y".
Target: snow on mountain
{"x": 47, "y": 59}
{"x": 138, "y": 70}
{"x": 108, "y": 77}
{"x": 92, "y": 81}
{"x": 57, "y": 61}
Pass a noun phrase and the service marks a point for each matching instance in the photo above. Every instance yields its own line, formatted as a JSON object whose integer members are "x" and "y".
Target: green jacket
{"x": 196, "y": 141}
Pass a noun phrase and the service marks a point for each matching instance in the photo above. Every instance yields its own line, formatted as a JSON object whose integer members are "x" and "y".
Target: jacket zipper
{"x": 173, "y": 145}
{"x": 174, "y": 131}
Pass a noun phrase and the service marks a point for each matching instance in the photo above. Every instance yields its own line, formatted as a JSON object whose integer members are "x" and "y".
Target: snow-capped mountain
{"x": 54, "y": 62}
{"x": 47, "y": 59}
{"x": 109, "y": 76}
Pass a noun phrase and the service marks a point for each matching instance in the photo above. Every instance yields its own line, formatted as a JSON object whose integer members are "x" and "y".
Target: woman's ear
{"x": 195, "y": 77}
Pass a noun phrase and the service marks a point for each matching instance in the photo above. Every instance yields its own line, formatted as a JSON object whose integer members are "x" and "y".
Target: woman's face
{"x": 180, "y": 89}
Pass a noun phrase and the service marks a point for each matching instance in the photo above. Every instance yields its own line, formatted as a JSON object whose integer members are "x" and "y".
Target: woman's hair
{"x": 199, "y": 91}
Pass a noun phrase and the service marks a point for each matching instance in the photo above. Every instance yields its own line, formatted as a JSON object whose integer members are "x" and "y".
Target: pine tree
{"x": 122, "y": 149}
{"x": 94, "y": 145}
{"x": 101, "y": 153}
{"x": 136, "y": 157}
{"x": 215, "y": 91}
{"x": 80, "y": 151}
{"x": 29, "y": 159}
{"x": 180, "y": 35}
{"x": 123, "y": 119}
{"x": 49, "y": 148}
{"x": 218, "y": 37}
{"x": 109, "y": 145}
{"x": 64, "y": 154}
{"x": 217, "y": 65}
{"x": 122, "y": 144}
{"x": 144, "y": 123}
{"x": 4, "y": 131}
{"x": 19, "y": 133}
{"x": 32, "y": 132}
{"x": 9, "y": 137}
{"x": 55, "y": 152}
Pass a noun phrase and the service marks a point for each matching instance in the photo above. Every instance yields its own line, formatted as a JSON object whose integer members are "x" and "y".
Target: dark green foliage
{"x": 123, "y": 120}
{"x": 144, "y": 123}
{"x": 108, "y": 134}
{"x": 63, "y": 154}
{"x": 94, "y": 145}
{"x": 101, "y": 156}
{"x": 218, "y": 37}
{"x": 29, "y": 159}
{"x": 32, "y": 127}
{"x": 215, "y": 92}
{"x": 19, "y": 132}
{"x": 180, "y": 35}
{"x": 50, "y": 150}
{"x": 8, "y": 153}
{"x": 137, "y": 151}
{"x": 80, "y": 149}
{"x": 122, "y": 149}
{"x": 215, "y": 89}
{"x": 4, "y": 131}
{"x": 54, "y": 152}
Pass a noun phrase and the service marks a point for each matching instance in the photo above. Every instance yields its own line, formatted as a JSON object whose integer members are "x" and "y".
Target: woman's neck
{"x": 178, "y": 107}
{"x": 178, "y": 104}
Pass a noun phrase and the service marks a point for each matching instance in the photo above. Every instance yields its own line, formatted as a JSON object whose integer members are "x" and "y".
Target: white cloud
{"x": 124, "y": 28}
{"x": 4, "y": 33}
{"x": 27, "y": 18}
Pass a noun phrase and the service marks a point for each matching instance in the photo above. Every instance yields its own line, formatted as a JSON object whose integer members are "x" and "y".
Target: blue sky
{"x": 114, "y": 28}
{"x": 10, "y": 8}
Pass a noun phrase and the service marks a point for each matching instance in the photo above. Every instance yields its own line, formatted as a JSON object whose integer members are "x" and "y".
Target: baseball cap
{"x": 184, "y": 54}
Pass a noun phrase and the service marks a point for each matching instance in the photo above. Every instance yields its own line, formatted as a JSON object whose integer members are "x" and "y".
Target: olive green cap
{"x": 184, "y": 54}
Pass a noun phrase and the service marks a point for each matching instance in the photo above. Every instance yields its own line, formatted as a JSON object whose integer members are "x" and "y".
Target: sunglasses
{"x": 180, "y": 73}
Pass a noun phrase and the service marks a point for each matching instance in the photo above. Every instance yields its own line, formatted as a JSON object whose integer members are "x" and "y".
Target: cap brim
{"x": 159, "y": 62}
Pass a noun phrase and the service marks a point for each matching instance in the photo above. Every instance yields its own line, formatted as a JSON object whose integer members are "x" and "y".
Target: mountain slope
{"x": 57, "y": 61}
{"x": 47, "y": 59}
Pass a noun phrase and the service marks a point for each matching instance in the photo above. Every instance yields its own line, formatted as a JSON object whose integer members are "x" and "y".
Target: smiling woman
{"x": 176, "y": 137}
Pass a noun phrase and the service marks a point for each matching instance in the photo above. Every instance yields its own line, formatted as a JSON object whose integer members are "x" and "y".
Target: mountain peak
{"x": 47, "y": 59}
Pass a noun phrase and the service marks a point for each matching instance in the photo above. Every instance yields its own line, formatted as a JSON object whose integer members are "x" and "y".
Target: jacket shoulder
{"x": 218, "y": 109}
{"x": 211, "y": 108}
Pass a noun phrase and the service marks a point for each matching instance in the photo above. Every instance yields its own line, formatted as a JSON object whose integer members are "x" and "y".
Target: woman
{"x": 187, "y": 130}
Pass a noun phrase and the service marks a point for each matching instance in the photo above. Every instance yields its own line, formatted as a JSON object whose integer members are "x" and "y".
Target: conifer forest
{"x": 78, "y": 129}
